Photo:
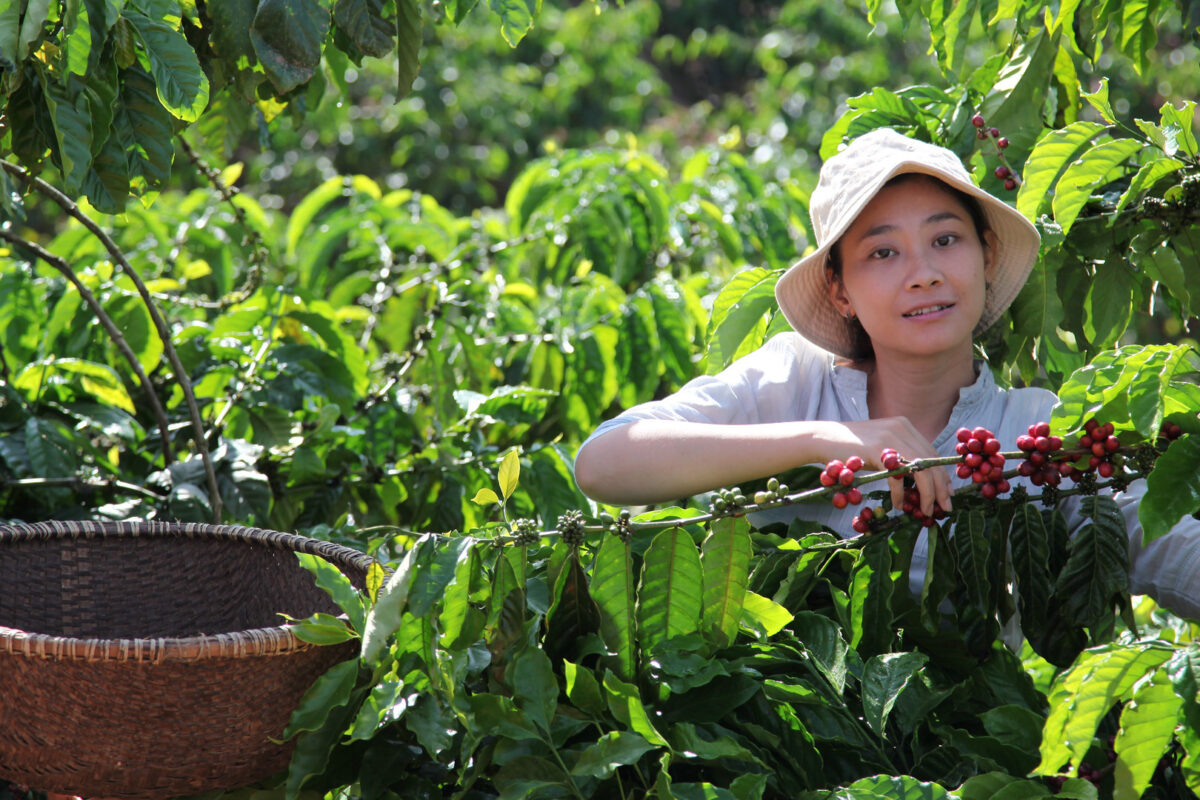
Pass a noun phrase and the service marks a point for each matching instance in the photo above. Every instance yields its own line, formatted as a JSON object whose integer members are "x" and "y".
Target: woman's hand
{"x": 867, "y": 439}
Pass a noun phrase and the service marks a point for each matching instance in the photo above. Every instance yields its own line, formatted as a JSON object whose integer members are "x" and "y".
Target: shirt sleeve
{"x": 768, "y": 385}
{"x": 1168, "y": 568}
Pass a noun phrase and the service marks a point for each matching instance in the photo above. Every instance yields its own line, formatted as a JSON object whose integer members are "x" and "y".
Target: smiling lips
{"x": 923, "y": 310}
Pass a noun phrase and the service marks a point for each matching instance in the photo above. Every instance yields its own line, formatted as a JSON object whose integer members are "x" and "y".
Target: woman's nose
{"x": 924, "y": 271}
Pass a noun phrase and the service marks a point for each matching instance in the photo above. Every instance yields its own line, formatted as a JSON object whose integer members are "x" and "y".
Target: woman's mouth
{"x": 927, "y": 310}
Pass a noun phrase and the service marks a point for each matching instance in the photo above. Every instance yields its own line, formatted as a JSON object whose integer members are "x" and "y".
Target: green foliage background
{"x": 347, "y": 269}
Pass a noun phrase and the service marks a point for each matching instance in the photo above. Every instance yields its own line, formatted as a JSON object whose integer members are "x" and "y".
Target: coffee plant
{"x": 384, "y": 367}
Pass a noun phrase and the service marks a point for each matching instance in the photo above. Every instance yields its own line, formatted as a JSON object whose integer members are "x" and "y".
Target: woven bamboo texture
{"x": 147, "y": 660}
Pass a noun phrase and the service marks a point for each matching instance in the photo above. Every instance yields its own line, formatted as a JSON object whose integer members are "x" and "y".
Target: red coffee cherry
{"x": 1010, "y": 184}
{"x": 1002, "y": 172}
{"x": 977, "y": 120}
{"x": 1002, "y": 142}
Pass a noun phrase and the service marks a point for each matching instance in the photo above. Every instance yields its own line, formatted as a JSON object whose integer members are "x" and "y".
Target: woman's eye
{"x": 945, "y": 240}
{"x": 882, "y": 252}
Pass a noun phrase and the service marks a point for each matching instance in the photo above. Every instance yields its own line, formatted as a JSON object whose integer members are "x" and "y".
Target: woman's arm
{"x": 654, "y": 460}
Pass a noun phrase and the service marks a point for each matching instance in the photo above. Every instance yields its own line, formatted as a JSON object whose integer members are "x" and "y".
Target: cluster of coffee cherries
{"x": 1103, "y": 443}
{"x": 912, "y": 507}
{"x": 1038, "y": 466}
{"x": 863, "y": 519}
{"x": 982, "y": 131}
{"x": 982, "y": 461}
{"x": 841, "y": 473}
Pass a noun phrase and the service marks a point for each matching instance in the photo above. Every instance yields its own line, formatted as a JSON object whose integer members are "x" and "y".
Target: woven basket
{"x": 147, "y": 660}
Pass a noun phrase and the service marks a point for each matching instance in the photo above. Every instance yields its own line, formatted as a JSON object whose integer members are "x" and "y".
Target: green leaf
{"x": 1108, "y": 306}
{"x": 500, "y": 716}
{"x": 764, "y": 615}
{"x": 614, "y": 749}
{"x": 670, "y": 594}
{"x": 572, "y": 614}
{"x": 181, "y": 85}
{"x": 1137, "y": 34}
{"x": 1097, "y": 166}
{"x": 36, "y": 14}
{"x": 1015, "y": 98}
{"x": 10, "y": 28}
{"x": 516, "y": 18}
{"x": 736, "y": 313}
{"x": 725, "y": 560}
{"x": 1163, "y": 264}
{"x": 311, "y": 756}
{"x": 1150, "y": 173}
{"x": 1178, "y": 128}
{"x": 71, "y": 114}
{"x": 972, "y": 547}
{"x": 885, "y": 676}
{"x": 535, "y": 689}
{"x": 1172, "y": 489}
{"x": 363, "y": 21}
{"x": 408, "y": 44}
{"x": 1099, "y": 101}
{"x": 939, "y": 577}
{"x": 330, "y": 579}
{"x": 322, "y": 629}
{"x": 146, "y": 130}
{"x": 901, "y": 787}
{"x": 288, "y": 36}
{"x": 510, "y": 473}
{"x": 1085, "y": 692}
{"x": 331, "y": 690}
{"x": 583, "y": 689}
{"x": 1097, "y": 570}
{"x": 50, "y": 454}
{"x": 387, "y": 613}
{"x": 822, "y": 639}
{"x": 485, "y": 497}
{"x": 231, "y": 28}
{"x": 612, "y": 588}
{"x": 871, "y": 588}
{"x": 1030, "y": 543}
{"x": 1147, "y": 726}
{"x": 625, "y": 704}
{"x": 1050, "y": 158}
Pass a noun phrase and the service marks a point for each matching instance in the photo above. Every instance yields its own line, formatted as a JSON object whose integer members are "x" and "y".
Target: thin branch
{"x": 258, "y": 250}
{"x": 80, "y": 485}
{"x": 114, "y": 333}
{"x": 164, "y": 333}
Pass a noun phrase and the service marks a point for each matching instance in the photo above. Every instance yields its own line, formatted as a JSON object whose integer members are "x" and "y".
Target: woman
{"x": 912, "y": 261}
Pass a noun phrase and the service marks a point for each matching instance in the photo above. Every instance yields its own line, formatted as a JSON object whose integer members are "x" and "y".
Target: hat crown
{"x": 853, "y": 175}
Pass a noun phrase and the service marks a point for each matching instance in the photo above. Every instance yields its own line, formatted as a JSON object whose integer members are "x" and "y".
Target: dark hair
{"x": 833, "y": 260}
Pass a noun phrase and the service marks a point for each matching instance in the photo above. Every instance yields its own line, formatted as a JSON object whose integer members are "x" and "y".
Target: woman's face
{"x": 913, "y": 270}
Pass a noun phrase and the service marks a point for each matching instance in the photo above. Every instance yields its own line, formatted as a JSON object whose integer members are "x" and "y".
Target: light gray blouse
{"x": 791, "y": 379}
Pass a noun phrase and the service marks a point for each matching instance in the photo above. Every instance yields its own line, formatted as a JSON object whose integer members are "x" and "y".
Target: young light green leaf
{"x": 885, "y": 676}
{"x": 510, "y": 473}
{"x": 1147, "y": 725}
{"x": 725, "y": 561}
{"x": 1178, "y": 128}
{"x": 516, "y": 18}
{"x": 670, "y": 594}
{"x": 322, "y": 629}
{"x": 1172, "y": 489}
{"x": 1099, "y": 101}
{"x": 1108, "y": 306}
{"x": 1150, "y": 173}
{"x": 736, "y": 312}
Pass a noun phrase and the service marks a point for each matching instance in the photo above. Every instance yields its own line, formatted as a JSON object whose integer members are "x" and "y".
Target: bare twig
{"x": 258, "y": 250}
{"x": 114, "y": 333}
{"x": 164, "y": 333}
{"x": 79, "y": 485}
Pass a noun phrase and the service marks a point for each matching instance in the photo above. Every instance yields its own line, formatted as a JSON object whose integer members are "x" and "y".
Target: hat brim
{"x": 803, "y": 290}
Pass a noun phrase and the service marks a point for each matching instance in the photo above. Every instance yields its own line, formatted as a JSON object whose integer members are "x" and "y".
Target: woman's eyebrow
{"x": 887, "y": 227}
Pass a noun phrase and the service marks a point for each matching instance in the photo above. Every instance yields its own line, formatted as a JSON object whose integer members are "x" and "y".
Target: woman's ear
{"x": 837, "y": 294}
{"x": 990, "y": 251}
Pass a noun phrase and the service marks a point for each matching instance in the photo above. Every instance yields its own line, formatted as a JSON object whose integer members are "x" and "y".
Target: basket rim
{"x": 253, "y": 642}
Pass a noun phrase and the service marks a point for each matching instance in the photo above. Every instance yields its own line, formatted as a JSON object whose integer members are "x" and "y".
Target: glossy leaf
{"x": 336, "y": 585}
{"x": 972, "y": 547}
{"x": 535, "y": 689}
{"x": 1097, "y": 569}
{"x": 871, "y": 589}
{"x": 901, "y": 787}
{"x": 288, "y": 37}
{"x": 385, "y": 616}
{"x": 885, "y": 676}
{"x": 363, "y": 21}
{"x": 408, "y": 44}
{"x": 516, "y": 18}
{"x": 614, "y": 749}
{"x": 331, "y": 690}
{"x": 625, "y": 703}
{"x": 736, "y": 312}
{"x": 510, "y": 473}
{"x": 1030, "y": 544}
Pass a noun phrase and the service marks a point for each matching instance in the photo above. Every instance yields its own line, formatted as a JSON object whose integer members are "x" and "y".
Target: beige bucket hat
{"x": 847, "y": 182}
